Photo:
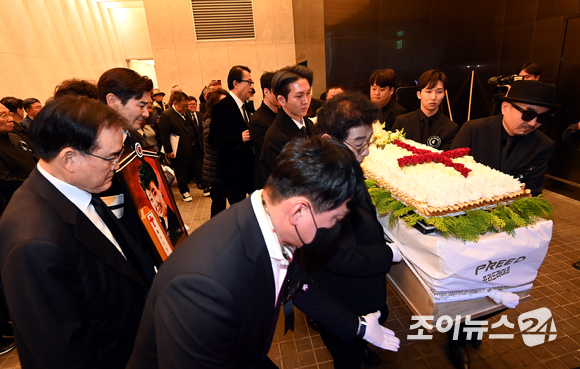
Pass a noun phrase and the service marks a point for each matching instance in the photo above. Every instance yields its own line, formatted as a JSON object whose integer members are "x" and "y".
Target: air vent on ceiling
{"x": 223, "y": 19}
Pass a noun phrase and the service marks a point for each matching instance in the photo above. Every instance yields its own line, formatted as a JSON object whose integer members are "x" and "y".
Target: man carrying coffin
{"x": 510, "y": 141}
{"x": 216, "y": 299}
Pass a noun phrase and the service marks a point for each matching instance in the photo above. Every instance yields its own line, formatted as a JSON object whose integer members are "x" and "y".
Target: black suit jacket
{"x": 132, "y": 138}
{"x": 353, "y": 269}
{"x": 389, "y": 113}
{"x": 213, "y": 302}
{"x": 198, "y": 128}
{"x": 442, "y": 127}
{"x": 282, "y": 131}
{"x": 170, "y": 122}
{"x": 74, "y": 299}
{"x": 258, "y": 126}
{"x": 571, "y": 135}
{"x": 25, "y": 122}
{"x": 15, "y": 166}
{"x": 529, "y": 158}
{"x": 236, "y": 158}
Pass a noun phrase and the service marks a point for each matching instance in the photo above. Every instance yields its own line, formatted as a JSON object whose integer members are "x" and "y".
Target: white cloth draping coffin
{"x": 453, "y": 270}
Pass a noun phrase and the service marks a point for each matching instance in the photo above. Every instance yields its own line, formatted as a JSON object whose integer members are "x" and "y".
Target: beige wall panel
{"x": 267, "y": 59}
{"x": 272, "y": 48}
{"x": 19, "y": 76}
{"x": 265, "y": 21}
{"x": 159, "y": 24}
{"x": 182, "y": 23}
{"x": 214, "y": 62}
{"x": 189, "y": 71}
{"x": 134, "y": 34}
{"x": 309, "y": 38}
{"x": 285, "y": 54}
{"x": 47, "y": 41}
{"x": 284, "y": 22}
{"x": 169, "y": 74}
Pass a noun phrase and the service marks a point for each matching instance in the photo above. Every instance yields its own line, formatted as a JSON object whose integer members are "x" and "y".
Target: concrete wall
{"x": 180, "y": 59}
{"x": 309, "y": 38}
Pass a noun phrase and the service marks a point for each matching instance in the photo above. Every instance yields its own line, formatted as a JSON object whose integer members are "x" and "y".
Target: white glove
{"x": 510, "y": 300}
{"x": 397, "y": 256}
{"x": 378, "y": 335}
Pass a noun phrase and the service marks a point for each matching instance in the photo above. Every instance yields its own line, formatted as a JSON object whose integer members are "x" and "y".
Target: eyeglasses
{"x": 247, "y": 80}
{"x": 113, "y": 161}
{"x": 363, "y": 148}
{"x": 528, "y": 115}
{"x": 6, "y": 115}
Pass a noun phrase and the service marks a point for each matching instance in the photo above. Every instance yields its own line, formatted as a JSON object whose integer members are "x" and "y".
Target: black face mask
{"x": 322, "y": 238}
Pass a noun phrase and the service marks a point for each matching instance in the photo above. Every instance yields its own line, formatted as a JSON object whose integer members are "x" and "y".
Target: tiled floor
{"x": 557, "y": 288}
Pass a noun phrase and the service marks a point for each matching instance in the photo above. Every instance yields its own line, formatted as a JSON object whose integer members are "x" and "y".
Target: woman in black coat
{"x": 352, "y": 269}
{"x": 210, "y": 156}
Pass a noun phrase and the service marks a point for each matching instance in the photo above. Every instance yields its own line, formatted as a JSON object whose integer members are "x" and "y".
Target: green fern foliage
{"x": 468, "y": 227}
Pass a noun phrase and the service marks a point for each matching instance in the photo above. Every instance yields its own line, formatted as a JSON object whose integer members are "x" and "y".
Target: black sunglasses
{"x": 528, "y": 115}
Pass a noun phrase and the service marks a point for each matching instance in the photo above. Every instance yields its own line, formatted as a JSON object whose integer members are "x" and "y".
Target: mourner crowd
{"x": 81, "y": 286}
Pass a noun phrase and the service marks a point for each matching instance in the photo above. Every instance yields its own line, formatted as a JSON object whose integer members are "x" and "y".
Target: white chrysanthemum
{"x": 433, "y": 183}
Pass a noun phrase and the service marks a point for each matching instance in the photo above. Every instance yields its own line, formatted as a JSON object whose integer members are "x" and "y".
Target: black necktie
{"x": 305, "y": 131}
{"x": 425, "y": 129}
{"x": 245, "y": 113}
{"x": 164, "y": 225}
{"x": 507, "y": 149}
{"x": 115, "y": 226}
{"x": 287, "y": 293}
{"x": 194, "y": 119}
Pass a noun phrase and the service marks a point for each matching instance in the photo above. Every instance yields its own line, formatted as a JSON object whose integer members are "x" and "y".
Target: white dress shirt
{"x": 82, "y": 200}
{"x": 279, "y": 262}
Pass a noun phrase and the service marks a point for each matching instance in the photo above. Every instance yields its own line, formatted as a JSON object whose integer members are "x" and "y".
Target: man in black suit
{"x": 352, "y": 269}
{"x": 216, "y": 299}
{"x": 292, "y": 86}
{"x": 197, "y": 119}
{"x": 32, "y": 107}
{"x": 427, "y": 125}
{"x": 383, "y": 83}
{"x": 510, "y": 142}
{"x": 129, "y": 94}
{"x": 261, "y": 121}
{"x": 332, "y": 91}
{"x": 176, "y": 122}
{"x": 74, "y": 279}
{"x": 229, "y": 133}
{"x": 16, "y": 158}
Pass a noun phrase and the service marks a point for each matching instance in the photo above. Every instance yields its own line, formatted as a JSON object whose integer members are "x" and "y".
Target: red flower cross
{"x": 421, "y": 156}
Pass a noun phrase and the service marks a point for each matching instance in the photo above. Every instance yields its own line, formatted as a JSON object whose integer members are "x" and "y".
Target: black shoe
{"x": 6, "y": 345}
{"x": 206, "y": 192}
{"x": 370, "y": 357}
{"x": 474, "y": 342}
{"x": 576, "y": 265}
{"x": 459, "y": 356}
{"x": 8, "y": 331}
{"x": 312, "y": 324}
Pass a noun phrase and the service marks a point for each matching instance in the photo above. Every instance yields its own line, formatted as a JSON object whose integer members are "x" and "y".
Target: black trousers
{"x": 195, "y": 170}
{"x": 461, "y": 340}
{"x": 218, "y": 197}
{"x": 346, "y": 355}
{"x": 236, "y": 190}
{"x": 182, "y": 166}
